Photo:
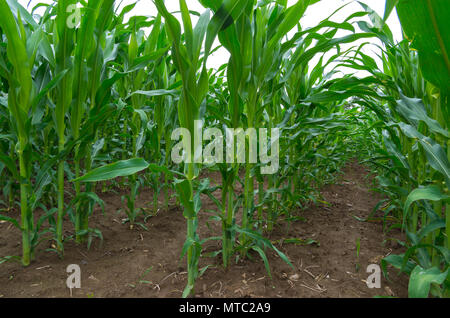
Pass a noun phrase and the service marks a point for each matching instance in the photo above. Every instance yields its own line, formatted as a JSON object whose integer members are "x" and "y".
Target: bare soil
{"x": 139, "y": 263}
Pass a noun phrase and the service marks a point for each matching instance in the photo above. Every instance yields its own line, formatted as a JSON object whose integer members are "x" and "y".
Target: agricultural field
{"x": 312, "y": 162}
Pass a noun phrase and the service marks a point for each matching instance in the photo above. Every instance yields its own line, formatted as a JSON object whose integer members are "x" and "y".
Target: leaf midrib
{"x": 438, "y": 35}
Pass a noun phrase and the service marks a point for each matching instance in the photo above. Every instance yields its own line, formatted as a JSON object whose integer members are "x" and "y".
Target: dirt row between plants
{"x": 139, "y": 263}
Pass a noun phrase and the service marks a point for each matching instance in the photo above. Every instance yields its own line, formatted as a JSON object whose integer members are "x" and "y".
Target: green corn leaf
{"x": 10, "y": 220}
{"x": 10, "y": 164}
{"x": 184, "y": 191}
{"x": 432, "y": 193}
{"x": 199, "y": 33}
{"x": 229, "y": 10}
{"x": 142, "y": 61}
{"x": 19, "y": 10}
{"x": 413, "y": 110}
{"x": 187, "y": 290}
{"x": 393, "y": 149}
{"x": 431, "y": 227}
{"x": 118, "y": 169}
{"x": 211, "y": 4}
{"x": 187, "y": 24}
{"x": 264, "y": 258}
{"x": 17, "y": 55}
{"x": 83, "y": 49}
{"x": 390, "y": 5}
{"x": 290, "y": 20}
{"x": 381, "y": 28}
{"x": 51, "y": 85}
{"x": 256, "y": 236}
{"x": 104, "y": 91}
{"x": 425, "y": 23}
{"x": 173, "y": 26}
{"x": 397, "y": 261}
{"x": 9, "y": 259}
{"x": 421, "y": 280}
{"x": 162, "y": 169}
{"x": 437, "y": 157}
{"x": 327, "y": 45}
{"x": 435, "y": 154}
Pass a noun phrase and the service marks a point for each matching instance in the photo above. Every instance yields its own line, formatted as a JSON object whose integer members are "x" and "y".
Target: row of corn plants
{"x": 89, "y": 101}
{"x": 408, "y": 140}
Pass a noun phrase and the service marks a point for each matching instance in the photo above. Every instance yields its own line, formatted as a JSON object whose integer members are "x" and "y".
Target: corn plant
{"x": 88, "y": 64}
{"x": 414, "y": 140}
{"x": 23, "y": 37}
{"x": 187, "y": 61}
{"x": 20, "y": 96}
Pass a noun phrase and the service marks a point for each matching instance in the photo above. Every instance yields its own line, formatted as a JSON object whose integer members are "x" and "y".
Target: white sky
{"x": 313, "y": 16}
